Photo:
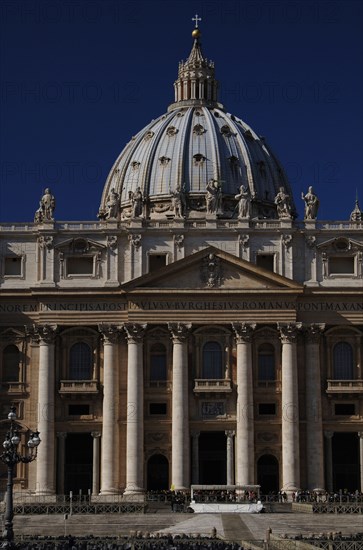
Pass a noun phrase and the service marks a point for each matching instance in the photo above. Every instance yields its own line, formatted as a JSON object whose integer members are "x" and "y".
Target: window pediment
{"x": 340, "y": 245}
{"x": 79, "y": 246}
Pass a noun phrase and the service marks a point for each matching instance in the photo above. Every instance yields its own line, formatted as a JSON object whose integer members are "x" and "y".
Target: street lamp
{"x": 11, "y": 457}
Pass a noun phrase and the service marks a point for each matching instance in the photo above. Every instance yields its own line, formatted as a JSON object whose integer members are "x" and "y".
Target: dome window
{"x": 248, "y": 135}
{"x": 226, "y": 131}
{"x": 164, "y": 161}
{"x": 198, "y": 158}
{"x": 233, "y": 161}
{"x": 172, "y": 131}
{"x": 216, "y": 114}
{"x": 135, "y": 165}
{"x": 199, "y": 130}
{"x": 148, "y": 135}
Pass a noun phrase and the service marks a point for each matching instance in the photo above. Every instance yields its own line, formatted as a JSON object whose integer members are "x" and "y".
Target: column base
{"x": 134, "y": 494}
{"x": 109, "y": 492}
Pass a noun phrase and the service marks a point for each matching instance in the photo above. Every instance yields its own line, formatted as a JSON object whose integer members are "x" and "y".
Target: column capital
{"x": 243, "y": 331}
{"x": 230, "y": 433}
{"x": 195, "y": 434}
{"x": 135, "y": 332}
{"x": 328, "y": 434}
{"x": 288, "y": 332}
{"x": 110, "y": 333}
{"x": 314, "y": 331}
{"x": 96, "y": 435}
{"x": 179, "y": 331}
{"x": 42, "y": 333}
{"x": 62, "y": 435}
{"x": 360, "y": 435}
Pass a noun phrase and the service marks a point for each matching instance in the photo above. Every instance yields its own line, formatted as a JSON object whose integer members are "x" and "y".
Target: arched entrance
{"x": 268, "y": 474}
{"x": 157, "y": 473}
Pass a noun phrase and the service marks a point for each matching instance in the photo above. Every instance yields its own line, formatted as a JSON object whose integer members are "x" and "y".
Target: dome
{"x": 192, "y": 149}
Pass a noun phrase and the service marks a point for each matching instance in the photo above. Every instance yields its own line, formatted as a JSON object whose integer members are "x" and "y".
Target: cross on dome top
{"x": 196, "y": 18}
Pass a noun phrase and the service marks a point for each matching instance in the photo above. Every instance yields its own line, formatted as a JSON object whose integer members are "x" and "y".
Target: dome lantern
{"x": 196, "y": 82}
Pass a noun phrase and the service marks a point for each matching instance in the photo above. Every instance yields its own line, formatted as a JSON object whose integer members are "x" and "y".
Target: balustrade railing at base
{"x": 311, "y": 544}
{"x": 25, "y": 503}
{"x": 127, "y": 543}
{"x": 329, "y": 507}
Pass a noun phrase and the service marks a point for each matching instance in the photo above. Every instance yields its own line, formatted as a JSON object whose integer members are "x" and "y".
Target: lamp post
{"x": 11, "y": 457}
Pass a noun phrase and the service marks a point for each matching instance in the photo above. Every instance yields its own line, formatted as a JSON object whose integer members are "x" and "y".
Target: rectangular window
{"x": 12, "y": 267}
{"x": 344, "y": 409}
{"x": 78, "y": 410}
{"x": 341, "y": 265}
{"x": 156, "y": 261}
{"x": 157, "y": 408}
{"x": 267, "y": 408}
{"x": 80, "y": 266}
{"x": 266, "y": 261}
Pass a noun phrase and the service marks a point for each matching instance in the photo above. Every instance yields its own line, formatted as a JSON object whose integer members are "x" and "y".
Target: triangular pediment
{"x": 212, "y": 269}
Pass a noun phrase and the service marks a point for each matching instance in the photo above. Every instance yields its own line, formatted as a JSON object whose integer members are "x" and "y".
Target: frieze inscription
{"x": 180, "y": 305}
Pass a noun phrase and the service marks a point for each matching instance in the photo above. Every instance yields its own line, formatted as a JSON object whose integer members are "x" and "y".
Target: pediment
{"x": 212, "y": 269}
{"x": 340, "y": 245}
{"x": 79, "y": 246}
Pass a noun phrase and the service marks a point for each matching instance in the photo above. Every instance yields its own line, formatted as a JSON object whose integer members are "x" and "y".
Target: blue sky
{"x": 80, "y": 77}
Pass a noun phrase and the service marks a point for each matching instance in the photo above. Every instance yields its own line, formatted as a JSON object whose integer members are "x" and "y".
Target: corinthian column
{"x": 45, "y": 336}
{"x": 110, "y": 427}
{"x": 314, "y": 427}
{"x": 290, "y": 409}
{"x": 245, "y": 454}
{"x": 135, "y": 410}
{"x": 180, "y": 426}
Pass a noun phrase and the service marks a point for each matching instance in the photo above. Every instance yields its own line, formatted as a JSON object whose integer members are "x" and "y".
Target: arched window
{"x": 80, "y": 362}
{"x": 158, "y": 362}
{"x": 11, "y": 364}
{"x": 266, "y": 363}
{"x": 212, "y": 361}
{"x": 343, "y": 361}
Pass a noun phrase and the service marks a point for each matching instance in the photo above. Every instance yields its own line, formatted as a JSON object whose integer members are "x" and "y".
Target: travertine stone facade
{"x": 186, "y": 336}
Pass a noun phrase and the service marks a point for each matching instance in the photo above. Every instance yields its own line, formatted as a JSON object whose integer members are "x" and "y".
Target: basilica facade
{"x": 197, "y": 332}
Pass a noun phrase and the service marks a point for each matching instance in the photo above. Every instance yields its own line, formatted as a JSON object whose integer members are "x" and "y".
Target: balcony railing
{"x": 78, "y": 387}
{"x": 158, "y": 384}
{"x": 345, "y": 386}
{"x": 209, "y": 385}
{"x": 15, "y": 387}
{"x": 274, "y": 385}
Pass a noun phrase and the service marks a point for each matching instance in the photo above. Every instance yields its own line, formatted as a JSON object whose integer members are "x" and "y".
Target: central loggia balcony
{"x": 205, "y": 385}
{"x": 77, "y": 387}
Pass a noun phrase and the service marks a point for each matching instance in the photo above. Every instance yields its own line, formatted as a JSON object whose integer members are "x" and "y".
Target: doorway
{"x": 268, "y": 474}
{"x": 78, "y": 463}
{"x": 157, "y": 473}
{"x": 213, "y": 458}
{"x": 346, "y": 467}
